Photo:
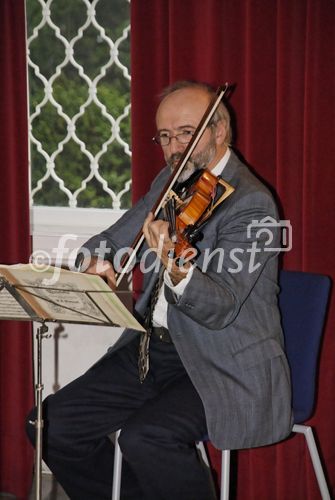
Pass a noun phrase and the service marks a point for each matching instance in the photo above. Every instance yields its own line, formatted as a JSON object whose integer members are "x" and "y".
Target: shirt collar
{"x": 218, "y": 169}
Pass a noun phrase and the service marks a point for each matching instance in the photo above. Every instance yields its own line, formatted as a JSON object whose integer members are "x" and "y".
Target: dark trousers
{"x": 160, "y": 420}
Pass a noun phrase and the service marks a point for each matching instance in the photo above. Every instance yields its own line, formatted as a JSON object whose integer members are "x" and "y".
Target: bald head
{"x": 183, "y": 107}
{"x": 221, "y": 113}
{"x": 177, "y": 118}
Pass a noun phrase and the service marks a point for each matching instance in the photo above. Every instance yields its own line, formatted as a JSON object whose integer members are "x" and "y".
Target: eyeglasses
{"x": 164, "y": 139}
{"x": 184, "y": 137}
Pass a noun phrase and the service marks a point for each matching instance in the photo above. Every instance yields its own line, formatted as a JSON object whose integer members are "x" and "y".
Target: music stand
{"x": 17, "y": 306}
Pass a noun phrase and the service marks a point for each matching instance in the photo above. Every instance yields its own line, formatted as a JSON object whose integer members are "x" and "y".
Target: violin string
{"x": 170, "y": 216}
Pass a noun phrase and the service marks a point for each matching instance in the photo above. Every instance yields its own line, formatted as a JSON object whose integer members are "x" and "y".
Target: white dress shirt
{"x": 159, "y": 317}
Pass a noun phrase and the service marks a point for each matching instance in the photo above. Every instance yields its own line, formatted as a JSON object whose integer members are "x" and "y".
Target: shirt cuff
{"x": 180, "y": 287}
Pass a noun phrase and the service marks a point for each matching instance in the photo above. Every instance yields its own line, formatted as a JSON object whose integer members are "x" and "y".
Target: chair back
{"x": 303, "y": 304}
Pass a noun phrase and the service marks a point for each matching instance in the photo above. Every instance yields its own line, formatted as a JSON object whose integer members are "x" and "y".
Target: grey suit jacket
{"x": 226, "y": 325}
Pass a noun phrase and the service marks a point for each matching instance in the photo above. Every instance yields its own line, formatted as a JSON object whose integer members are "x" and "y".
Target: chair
{"x": 303, "y": 302}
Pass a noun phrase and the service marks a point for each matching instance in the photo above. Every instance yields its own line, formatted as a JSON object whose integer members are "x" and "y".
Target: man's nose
{"x": 175, "y": 146}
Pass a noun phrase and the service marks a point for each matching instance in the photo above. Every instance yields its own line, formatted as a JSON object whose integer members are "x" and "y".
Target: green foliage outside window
{"x": 70, "y": 91}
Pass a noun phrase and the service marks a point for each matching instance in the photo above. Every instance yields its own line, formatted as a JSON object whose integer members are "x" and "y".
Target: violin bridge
{"x": 173, "y": 194}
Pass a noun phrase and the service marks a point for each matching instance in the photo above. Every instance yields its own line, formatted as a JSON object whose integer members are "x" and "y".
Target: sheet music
{"x": 56, "y": 294}
{"x": 10, "y": 308}
{"x": 64, "y": 302}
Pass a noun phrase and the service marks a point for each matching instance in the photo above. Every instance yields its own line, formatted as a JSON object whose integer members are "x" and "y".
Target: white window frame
{"x": 49, "y": 224}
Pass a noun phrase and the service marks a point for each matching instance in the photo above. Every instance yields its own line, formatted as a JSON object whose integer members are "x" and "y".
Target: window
{"x": 79, "y": 86}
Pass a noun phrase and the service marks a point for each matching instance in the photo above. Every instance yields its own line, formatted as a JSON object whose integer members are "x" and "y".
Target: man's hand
{"x": 104, "y": 269}
{"x": 156, "y": 233}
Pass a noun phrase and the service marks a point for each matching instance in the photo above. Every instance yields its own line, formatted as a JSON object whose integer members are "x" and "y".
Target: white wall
{"x": 71, "y": 349}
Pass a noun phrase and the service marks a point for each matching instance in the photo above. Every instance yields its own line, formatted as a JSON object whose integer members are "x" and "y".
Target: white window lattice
{"x": 78, "y": 59}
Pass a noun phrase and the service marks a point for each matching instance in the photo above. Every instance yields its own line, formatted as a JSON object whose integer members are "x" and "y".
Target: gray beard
{"x": 188, "y": 170}
{"x": 197, "y": 162}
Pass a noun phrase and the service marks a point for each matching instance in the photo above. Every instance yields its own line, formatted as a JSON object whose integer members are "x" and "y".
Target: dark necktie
{"x": 143, "y": 354}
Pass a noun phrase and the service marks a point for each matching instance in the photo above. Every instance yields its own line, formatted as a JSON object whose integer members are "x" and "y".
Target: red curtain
{"x": 16, "y": 386}
{"x": 280, "y": 55}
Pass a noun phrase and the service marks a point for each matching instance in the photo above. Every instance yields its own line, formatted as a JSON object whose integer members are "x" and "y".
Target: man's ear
{"x": 220, "y": 132}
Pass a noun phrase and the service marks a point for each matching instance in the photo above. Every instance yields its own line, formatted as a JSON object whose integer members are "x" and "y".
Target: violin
{"x": 189, "y": 211}
{"x": 188, "y": 207}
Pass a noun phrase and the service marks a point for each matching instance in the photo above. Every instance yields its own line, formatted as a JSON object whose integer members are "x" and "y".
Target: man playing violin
{"x": 212, "y": 361}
